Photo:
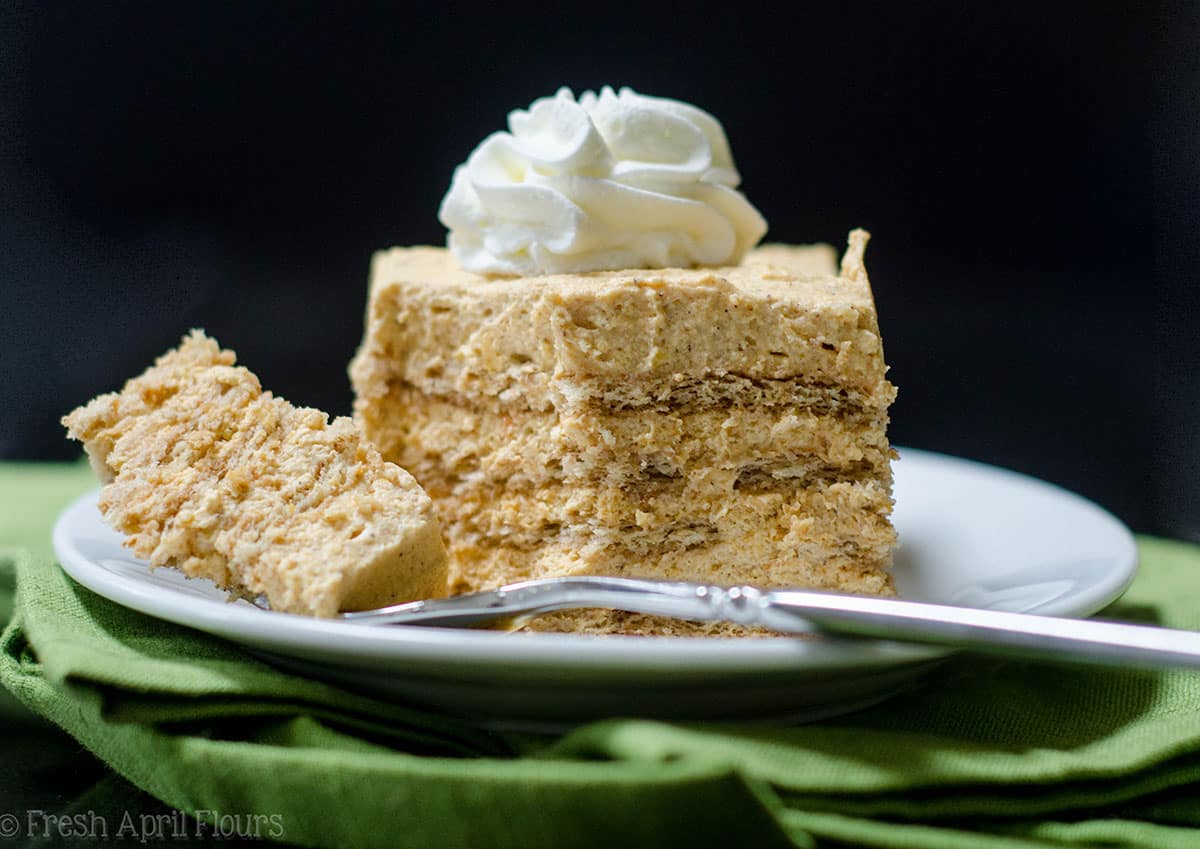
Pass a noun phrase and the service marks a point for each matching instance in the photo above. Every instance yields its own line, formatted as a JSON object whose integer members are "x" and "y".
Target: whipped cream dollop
{"x": 608, "y": 181}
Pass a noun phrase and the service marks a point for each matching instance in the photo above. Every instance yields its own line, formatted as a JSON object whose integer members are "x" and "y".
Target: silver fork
{"x": 808, "y": 611}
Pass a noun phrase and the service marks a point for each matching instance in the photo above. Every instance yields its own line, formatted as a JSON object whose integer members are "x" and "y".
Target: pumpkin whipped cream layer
{"x": 714, "y": 424}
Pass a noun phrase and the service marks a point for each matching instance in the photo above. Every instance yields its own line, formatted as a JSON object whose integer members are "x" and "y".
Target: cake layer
{"x": 207, "y": 473}
{"x": 623, "y": 337}
{"x": 839, "y": 515}
{"x": 440, "y": 442}
{"x": 752, "y": 559}
{"x": 620, "y": 622}
{"x": 679, "y": 395}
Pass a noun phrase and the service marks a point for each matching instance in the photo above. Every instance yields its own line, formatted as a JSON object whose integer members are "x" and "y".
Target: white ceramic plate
{"x": 970, "y": 534}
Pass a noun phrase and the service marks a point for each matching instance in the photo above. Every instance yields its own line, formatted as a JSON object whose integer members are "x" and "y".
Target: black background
{"x": 1030, "y": 174}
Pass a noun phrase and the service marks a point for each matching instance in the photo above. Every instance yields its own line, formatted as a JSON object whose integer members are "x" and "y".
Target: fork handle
{"x": 991, "y": 631}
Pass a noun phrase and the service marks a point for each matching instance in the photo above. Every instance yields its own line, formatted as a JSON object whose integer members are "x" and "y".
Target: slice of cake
{"x": 723, "y": 425}
{"x": 207, "y": 473}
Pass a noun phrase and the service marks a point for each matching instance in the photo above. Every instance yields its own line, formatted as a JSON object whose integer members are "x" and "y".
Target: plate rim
{"x": 285, "y": 633}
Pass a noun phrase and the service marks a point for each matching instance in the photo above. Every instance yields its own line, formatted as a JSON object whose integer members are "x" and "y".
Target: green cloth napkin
{"x": 984, "y": 753}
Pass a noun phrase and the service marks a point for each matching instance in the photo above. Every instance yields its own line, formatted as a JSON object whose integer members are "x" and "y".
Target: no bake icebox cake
{"x": 601, "y": 373}
{"x": 571, "y": 409}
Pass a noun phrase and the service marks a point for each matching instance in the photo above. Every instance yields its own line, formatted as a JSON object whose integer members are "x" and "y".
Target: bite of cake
{"x": 207, "y": 473}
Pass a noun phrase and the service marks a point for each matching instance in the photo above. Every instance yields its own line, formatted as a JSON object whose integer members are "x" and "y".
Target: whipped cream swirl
{"x": 610, "y": 181}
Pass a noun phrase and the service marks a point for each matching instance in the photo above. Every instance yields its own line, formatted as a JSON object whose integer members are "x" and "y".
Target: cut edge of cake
{"x": 444, "y": 368}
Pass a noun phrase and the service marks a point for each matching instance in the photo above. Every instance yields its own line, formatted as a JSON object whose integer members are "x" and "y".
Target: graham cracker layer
{"x": 625, "y": 624}
{"x": 668, "y": 517}
{"x": 440, "y": 441}
{"x": 757, "y": 560}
